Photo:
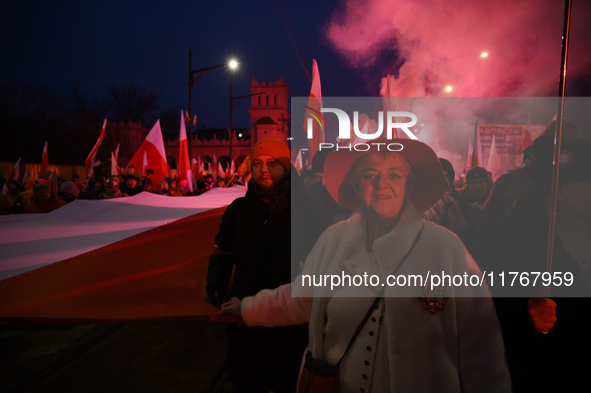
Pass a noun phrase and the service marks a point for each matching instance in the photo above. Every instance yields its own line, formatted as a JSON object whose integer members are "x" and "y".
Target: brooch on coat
{"x": 433, "y": 299}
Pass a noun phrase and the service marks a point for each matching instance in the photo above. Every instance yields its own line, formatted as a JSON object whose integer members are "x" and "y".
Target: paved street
{"x": 174, "y": 356}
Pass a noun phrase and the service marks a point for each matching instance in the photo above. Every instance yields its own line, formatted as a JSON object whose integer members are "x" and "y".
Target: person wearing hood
{"x": 69, "y": 191}
{"x": 255, "y": 237}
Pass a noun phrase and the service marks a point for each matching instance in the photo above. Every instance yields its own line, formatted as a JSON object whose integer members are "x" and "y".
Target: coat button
{"x": 368, "y": 348}
{"x": 364, "y": 376}
{"x": 366, "y": 362}
{"x": 371, "y": 332}
{"x": 373, "y": 319}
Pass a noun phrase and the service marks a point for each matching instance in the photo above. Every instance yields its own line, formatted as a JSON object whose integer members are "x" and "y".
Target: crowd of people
{"x": 40, "y": 196}
{"x": 386, "y": 213}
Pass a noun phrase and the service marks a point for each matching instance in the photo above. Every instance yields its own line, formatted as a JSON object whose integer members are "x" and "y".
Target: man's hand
{"x": 232, "y": 307}
{"x": 543, "y": 313}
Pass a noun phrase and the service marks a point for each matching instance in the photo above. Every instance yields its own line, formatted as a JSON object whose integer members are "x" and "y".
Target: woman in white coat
{"x": 425, "y": 335}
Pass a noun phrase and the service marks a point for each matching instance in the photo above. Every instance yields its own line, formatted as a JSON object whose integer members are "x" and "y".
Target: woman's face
{"x": 383, "y": 184}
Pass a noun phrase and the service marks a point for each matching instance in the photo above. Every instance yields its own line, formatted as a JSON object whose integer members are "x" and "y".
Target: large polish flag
{"x": 184, "y": 167}
{"x": 125, "y": 259}
{"x": 94, "y": 150}
{"x": 313, "y": 115}
{"x": 153, "y": 146}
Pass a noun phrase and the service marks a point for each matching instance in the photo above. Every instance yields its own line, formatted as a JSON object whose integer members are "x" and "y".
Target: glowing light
{"x": 233, "y": 64}
{"x": 448, "y": 89}
{"x": 484, "y": 54}
{"x": 239, "y": 135}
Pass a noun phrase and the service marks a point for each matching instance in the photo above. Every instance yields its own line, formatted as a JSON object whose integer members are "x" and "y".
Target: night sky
{"x": 97, "y": 44}
{"x": 356, "y": 43}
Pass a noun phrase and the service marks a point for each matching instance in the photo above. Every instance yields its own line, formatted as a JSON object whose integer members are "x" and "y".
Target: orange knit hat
{"x": 274, "y": 148}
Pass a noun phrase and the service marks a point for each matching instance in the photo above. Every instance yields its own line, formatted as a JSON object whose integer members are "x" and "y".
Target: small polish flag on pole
{"x": 44, "y": 161}
{"x": 153, "y": 147}
{"x": 16, "y": 170}
{"x": 92, "y": 155}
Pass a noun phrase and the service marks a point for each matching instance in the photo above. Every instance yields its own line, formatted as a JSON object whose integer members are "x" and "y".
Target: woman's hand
{"x": 543, "y": 313}
{"x": 232, "y": 307}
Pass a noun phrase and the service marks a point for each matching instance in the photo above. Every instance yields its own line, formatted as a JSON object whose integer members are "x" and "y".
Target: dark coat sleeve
{"x": 220, "y": 266}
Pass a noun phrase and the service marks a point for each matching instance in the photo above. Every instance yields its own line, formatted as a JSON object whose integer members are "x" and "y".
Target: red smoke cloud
{"x": 441, "y": 43}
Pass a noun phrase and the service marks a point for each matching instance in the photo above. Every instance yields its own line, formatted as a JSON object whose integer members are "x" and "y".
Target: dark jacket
{"x": 321, "y": 195}
{"x": 258, "y": 240}
{"x": 265, "y": 243}
{"x": 538, "y": 362}
{"x": 452, "y": 212}
{"x": 509, "y": 187}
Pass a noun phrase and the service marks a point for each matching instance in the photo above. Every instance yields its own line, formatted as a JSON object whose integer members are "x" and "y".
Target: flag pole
{"x": 557, "y": 139}
{"x": 475, "y": 151}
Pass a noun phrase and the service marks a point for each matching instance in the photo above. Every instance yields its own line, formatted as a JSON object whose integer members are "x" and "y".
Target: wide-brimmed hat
{"x": 430, "y": 184}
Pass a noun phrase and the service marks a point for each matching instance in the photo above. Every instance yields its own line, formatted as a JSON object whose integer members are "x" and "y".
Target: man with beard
{"x": 256, "y": 237}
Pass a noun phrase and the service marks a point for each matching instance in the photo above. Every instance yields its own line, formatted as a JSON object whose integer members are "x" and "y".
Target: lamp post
{"x": 232, "y": 105}
{"x": 232, "y": 64}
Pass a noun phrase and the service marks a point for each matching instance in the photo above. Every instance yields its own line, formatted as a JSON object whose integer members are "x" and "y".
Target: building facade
{"x": 269, "y": 118}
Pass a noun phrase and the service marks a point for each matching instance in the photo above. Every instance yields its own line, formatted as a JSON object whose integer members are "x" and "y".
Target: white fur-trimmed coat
{"x": 458, "y": 349}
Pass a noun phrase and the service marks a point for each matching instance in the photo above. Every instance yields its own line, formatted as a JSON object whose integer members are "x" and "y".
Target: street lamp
{"x": 232, "y": 105}
{"x": 233, "y": 64}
